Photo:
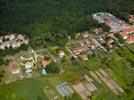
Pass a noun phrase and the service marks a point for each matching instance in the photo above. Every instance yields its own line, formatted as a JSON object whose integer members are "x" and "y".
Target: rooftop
{"x": 130, "y": 39}
{"x": 46, "y": 62}
{"x": 15, "y": 69}
{"x": 29, "y": 64}
{"x": 125, "y": 32}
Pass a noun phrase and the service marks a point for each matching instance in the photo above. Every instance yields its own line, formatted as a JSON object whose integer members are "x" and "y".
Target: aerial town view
{"x": 66, "y": 49}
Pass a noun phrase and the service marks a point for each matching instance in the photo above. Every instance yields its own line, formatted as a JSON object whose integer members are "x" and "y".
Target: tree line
{"x": 49, "y": 22}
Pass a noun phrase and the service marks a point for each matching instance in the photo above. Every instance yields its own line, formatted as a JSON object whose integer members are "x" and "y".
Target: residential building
{"x": 85, "y": 34}
{"x": 29, "y": 64}
{"x": 15, "y": 69}
{"x": 95, "y": 42}
{"x": 77, "y": 50}
{"x": 46, "y": 62}
{"x": 130, "y": 39}
{"x": 124, "y": 33}
{"x": 109, "y": 42}
{"x": 131, "y": 18}
{"x": 21, "y": 37}
{"x": 11, "y": 37}
{"x": 1, "y": 39}
{"x": 87, "y": 42}
{"x": 98, "y": 30}
{"x": 2, "y": 46}
{"x": 83, "y": 57}
{"x": 61, "y": 53}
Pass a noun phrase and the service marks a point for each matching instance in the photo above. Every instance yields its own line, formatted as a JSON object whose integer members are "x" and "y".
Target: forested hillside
{"x": 48, "y": 21}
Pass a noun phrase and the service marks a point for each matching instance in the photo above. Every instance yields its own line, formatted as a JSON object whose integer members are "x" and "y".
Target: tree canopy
{"x": 52, "y": 68}
{"x": 46, "y": 20}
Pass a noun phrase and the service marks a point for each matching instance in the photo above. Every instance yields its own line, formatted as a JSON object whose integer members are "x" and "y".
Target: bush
{"x": 52, "y": 68}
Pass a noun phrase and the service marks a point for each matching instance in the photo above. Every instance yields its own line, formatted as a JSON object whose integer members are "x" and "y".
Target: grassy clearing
{"x": 23, "y": 90}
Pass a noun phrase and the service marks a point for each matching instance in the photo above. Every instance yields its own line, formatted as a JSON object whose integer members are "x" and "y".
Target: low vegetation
{"x": 52, "y": 68}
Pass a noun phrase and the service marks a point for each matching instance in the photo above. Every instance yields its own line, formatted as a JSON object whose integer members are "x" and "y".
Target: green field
{"x": 23, "y": 90}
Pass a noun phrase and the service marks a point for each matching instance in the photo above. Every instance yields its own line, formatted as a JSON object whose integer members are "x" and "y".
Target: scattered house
{"x": 64, "y": 89}
{"x": 11, "y": 37}
{"x": 85, "y": 47}
{"x": 98, "y": 30}
{"x": 111, "y": 34}
{"x": 29, "y": 64}
{"x": 15, "y": 44}
{"x": 2, "y": 46}
{"x": 124, "y": 33}
{"x": 28, "y": 70}
{"x": 95, "y": 42}
{"x": 6, "y": 37}
{"x": 130, "y": 39}
{"x": 1, "y": 39}
{"x": 109, "y": 42}
{"x": 44, "y": 72}
{"x": 102, "y": 41}
{"x": 15, "y": 69}
{"x": 46, "y": 62}
{"x": 6, "y": 44}
{"x": 85, "y": 34}
{"x": 92, "y": 47}
{"x": 77, "y": 50}
{"x": 131, "y": 18}
{"x": 87, "y": 43}
{"x": 25, "y": 41}
{"x": 21, "y": 37}
{"x": 83, "y": 57}
{"x": 61, "y": 53}
{"x": 77, "y": 35}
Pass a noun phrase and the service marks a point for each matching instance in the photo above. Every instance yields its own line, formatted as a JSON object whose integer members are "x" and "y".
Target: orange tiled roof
{"x": 130, "y": 39}
{"x": 76, "y": 49}
{"x": 126, "y": 31}
{"x": 15, "y": 69}
{"x": 45, "y": 63}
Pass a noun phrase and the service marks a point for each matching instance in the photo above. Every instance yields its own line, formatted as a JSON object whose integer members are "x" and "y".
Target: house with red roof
{"x": 15, "y": 70}
{"x": 124, "y": 33}
{"x": 130, "y": 39}
{"x": 77, "y": 50}
{"x": 46, "y": 62}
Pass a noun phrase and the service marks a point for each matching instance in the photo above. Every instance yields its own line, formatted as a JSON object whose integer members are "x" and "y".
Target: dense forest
{"x": 50, "y": 21}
